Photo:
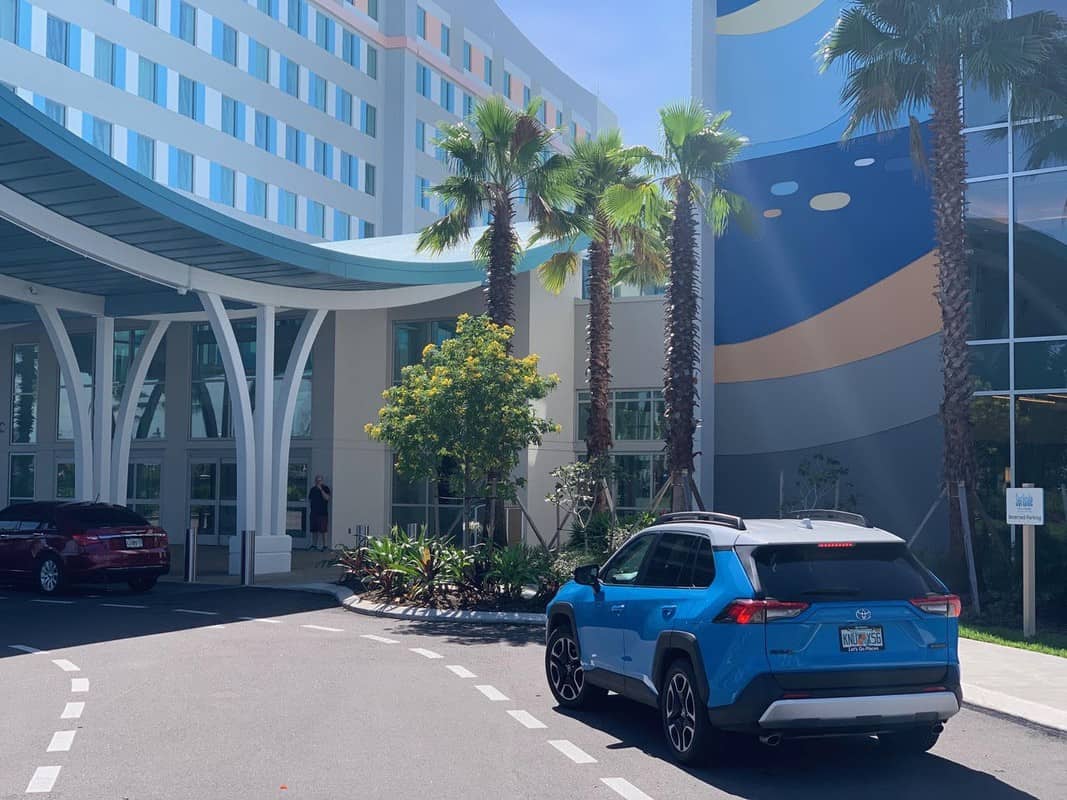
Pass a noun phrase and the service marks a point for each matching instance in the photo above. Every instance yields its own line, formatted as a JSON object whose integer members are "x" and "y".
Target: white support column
{"x": 283, "y": 415}
{"x": 237, "y": 381}
{"x": 264, "y": 417}
{"x": 78, "y": 396}
{"x": 103, "y": 379}
{"x": 120, "y": 445}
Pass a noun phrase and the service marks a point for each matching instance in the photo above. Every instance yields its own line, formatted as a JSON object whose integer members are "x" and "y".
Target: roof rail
{"x": 711, "y": 517}
{"x": 831, "y": 515}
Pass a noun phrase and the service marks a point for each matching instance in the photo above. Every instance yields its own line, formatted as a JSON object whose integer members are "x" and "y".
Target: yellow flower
{"x": 427, "y": 350}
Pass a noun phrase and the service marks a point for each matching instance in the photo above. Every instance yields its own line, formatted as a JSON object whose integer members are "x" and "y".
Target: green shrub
{"x": 517, "y": 566}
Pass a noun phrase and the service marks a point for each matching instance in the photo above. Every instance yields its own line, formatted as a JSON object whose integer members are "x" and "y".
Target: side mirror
{"x": 588, "y": 575}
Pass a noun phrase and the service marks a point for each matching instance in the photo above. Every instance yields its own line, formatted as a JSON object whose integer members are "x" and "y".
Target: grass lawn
{"x": 1053, "y": 644}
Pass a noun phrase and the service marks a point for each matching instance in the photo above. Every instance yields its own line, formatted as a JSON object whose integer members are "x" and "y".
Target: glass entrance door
{"x": 213, "y": 500}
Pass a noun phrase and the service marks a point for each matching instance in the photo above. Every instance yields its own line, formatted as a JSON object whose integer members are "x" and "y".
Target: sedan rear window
{"x": 103, "y": 517}
{"x": 841, "y": 572}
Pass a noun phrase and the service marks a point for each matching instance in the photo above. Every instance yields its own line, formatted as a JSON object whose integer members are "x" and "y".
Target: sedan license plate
{"x": 862, "y": 638}
{"x": 134, "y": 542}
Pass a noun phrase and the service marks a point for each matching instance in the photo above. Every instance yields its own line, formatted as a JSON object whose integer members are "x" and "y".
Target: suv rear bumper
{"x": 853, "y": 701}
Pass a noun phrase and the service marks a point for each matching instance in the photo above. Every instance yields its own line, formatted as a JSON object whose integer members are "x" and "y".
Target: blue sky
{"x": 635, "y": 58}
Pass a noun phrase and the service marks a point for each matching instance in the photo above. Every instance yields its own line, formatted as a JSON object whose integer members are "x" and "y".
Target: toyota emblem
{"x": 863, "y": 614}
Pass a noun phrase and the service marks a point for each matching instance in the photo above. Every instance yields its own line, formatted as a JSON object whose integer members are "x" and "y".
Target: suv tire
{"x": 686, "y": 727}
{"x": 142, "y": 584}
{"x": 910, "y": 741}
{"x": 563, "y": 669}
{"x": 49, "y": 575}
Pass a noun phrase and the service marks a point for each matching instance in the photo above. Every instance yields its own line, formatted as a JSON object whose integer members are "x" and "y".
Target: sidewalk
{"x": 1019, "y": 683}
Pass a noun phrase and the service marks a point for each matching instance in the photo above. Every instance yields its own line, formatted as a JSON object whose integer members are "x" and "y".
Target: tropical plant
{"x": 468, "y": 403}
{"x": 500, "y": 158}
{"x": 902, "y": 58}
{"x": 517, "y": 566}
{"x": 384, "y": 560}
{"x": 615, "y": 245}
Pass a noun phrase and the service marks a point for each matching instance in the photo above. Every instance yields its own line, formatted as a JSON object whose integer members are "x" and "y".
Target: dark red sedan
{"x": 52, "y": 544}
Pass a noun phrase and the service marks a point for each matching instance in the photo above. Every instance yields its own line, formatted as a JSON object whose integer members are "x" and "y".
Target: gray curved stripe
{"x": 835, "y": 405}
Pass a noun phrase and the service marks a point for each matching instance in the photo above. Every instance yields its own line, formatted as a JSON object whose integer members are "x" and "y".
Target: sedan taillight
{"x": 758, "y": 612}
{"x": 941, "y": 605}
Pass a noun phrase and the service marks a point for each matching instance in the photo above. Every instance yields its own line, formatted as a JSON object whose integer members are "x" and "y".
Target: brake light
{"x": 835, "y": 545}
{"x": 758, "y": 612}
{"x": 85, "y": 538}
{"x": 942, "y": 605}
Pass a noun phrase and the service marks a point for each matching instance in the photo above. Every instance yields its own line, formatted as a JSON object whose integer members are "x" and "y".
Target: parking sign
{"x": 1026, "y": 506}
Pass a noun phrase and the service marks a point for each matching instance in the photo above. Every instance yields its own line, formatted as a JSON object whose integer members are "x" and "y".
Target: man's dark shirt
{"x": 317, "y": 500}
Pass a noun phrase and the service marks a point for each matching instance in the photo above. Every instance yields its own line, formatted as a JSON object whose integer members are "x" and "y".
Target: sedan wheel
{"x": 49, "y": 575}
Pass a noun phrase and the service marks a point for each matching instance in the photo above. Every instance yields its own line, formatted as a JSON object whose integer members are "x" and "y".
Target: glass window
{"x": 422, "y": 80}
{"x": 446, "y": 39}
{"x": 1020, "y": 8}
{"x": 24, "y": 394}
{"x": 145, "y": 9}
{"x": 633, "y": 480}
{"x": 9, "y": 25}
{"x": 468, "y": 105}
{"x": 324, "y": 32}
{"x": 366, "y": 229}
{"x": 222, "y": 184}
{"x": 1041, "y": 365}
{"x": 1040, "y": 146}
{"x": 147, "y": 83}
{"x": 290, "y": 77}
{"x": 1041, "y": 255}
{"x": 181, "y": 169}
{"x": 369, "y": 177}
{"x": 188, "y": 90}
{"x": 420, "y": 22}
{"x": 372, "y": 9}
{"x": 420, "y": 136}
{"x": 316, "y": 218}
{"x": 987, "y": 153}
{"x": 507, "y": 84}
{"x": 317, "y": 91}
{"x": 990, "y": 421}
{"x": 258, "y": 61}
{"x": 21, "y": 482}
{"x": 368, "y": 118}
{"x": 143, "y": 157}
{"x": 268, "y": 7}
{"x": 104, "y": 61}
{"x": 101, "y": 135}
{"x": 372, "y": 62}
{"x": 65, "y": 484}
{"x": 232, "y": 117}
{"x": 342, "y": 226}
{"x": 57, "y": 40}
{"x": 257, "y": 197}
{"x": 296, "y": 499}
{"x": 990, "y": 367}
{"x": 143, "y": 490}
{"x": 150, "y": 416}
{"x": 82, "y": 343}
{"x": 298, "y": 16}
{"x": 344, "y": 106}
{"x": 349, "y": 170}
{"x": 703, "y": 564}
{"x": 1041, "y": 450}
{"x": 625, "y": 566}
{"x": 350, "y": 47}
{"x": 294, "y": 145}
{"x": 186, "y": 23}
{"x": 633, "y": 416}
{"x": 448, "y": 95}
{"x": 411, "y": 338}
{"x": 422, "y": 193}
{"x": 987, "y": 232}
{"x": 671, "y": 562}
{"x": 228, "y": 45}
{"x": 487, "y": 68}
{"x": 57, "y": 112}
{"x": 266, "y": 132}
{"x": 286, "y": 208}
{"x": 526, "y": 96}
{"x": 323, "y": 158}
{"x": 467, "y": 56}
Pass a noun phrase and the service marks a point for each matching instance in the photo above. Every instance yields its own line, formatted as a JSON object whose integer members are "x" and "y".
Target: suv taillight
{"x": 941, "y": 605}
{"x": 84, "y": 539}
{"x": 758, "y": 612}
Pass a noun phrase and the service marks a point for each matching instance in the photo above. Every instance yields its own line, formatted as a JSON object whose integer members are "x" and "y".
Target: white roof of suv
{"x": 782, "y": 531}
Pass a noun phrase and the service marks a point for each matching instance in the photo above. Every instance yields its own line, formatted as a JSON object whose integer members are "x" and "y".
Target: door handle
{"x": 618, "y": 609}
{"x": 669, "y": 611}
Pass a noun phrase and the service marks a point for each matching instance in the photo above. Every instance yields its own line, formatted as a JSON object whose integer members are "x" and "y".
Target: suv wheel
{"x": 49, "y": 575}
{"x": 686, "y": 726}
{"x": 563, "y": 668}
{"x": 911, "y": 741}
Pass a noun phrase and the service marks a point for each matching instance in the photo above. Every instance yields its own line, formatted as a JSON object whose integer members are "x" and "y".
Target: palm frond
{"x": 558, "y": 269}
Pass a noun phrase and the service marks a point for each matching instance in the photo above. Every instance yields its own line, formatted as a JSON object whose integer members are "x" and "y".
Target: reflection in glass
{"x": 411, "y": 338}
{"x": 65, "y": 480}
{"x": 1041, "y": 255}
{"x": 979, "y": 107}
{"x": 201, "y": 520}
{"x": 1040, "y": 146}
{"x": 1041, "y": 365}
{"x": 24, "y": 394}
{"x": 1041, "y": 450}
{"x": 633, "y": 415}
{"x": 990, "y": 420}
{"x": 296, "y": 493}
{"x": 990, "y": 367}
{"x": 21, "y": 481}
{"x": 633, "y": 480}
{"x": 150, "y": 416}
{"x": 987, "y": 153}
{"x": 82, "y": 343}
{"x": 202, "y": 481}
{"x": 987, "y": 232}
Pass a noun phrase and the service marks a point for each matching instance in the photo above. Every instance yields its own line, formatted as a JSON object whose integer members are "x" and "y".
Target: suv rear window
{"x": 861, "y": 571}
{"x": 102, "y": 517}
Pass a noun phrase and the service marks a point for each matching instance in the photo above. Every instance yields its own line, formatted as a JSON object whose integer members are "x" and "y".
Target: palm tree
{"x": 906, "y": 56}
{"x": 697, "y": 151}
{"x": 616, "y": 248}
{"x": 499, "y": 159}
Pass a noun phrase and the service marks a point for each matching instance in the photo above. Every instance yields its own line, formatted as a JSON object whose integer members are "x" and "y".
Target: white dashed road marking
{"x": 624, "y": 788}
{"x": 261, "y": 619}
{"x": 381, "y": 639}
{"x": 121, "y": 605}
{"x": 55, "y": 602}
{"x": 194, "y": 611}
{"x": 572, "y": 751}
{"x": 79, "y": 684}
{"x": 323, "y": 628}
{"x": 527, "y": 719}
{"x": 65, "y": 665}
{"x": 426, "y": 653}
{"x": 459, "y": 671}
{"x": 61, "y": 741}
{"x": 44, "y": 778}
{"x": 72, "y": 711}
{"x": 25, "y": 648}
{"x": 492, "y": 693}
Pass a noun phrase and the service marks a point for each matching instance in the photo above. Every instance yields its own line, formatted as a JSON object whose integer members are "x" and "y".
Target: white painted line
{"x": 461, "y": 672}
{"x": 215, "y": 627}
{"x": 624, "y": 788}
{"x": 121, "y": 605}
{"x": 261, "y": 619}
{"x": 572, "y": 751}
{"x": 44, "y": 778}
{"x": 65, "y": 665}
{"x": 194, "y": 611}
{"x": 323, "y": 628}
{"x": 79, "y": 684}
{"x": 425, "y": 653}
{"x": 492, "y": 693}
{"x": 61, "y": 741}
{"x": 527, "y": 719}
{"x": 55, "y": 602}
{"x": 72, "y": 711}
{"x": 381, "y": 639}
{"x": 25, "y": 648}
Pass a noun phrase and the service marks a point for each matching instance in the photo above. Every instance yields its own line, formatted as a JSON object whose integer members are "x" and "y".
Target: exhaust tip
{"x": 771, "y": 739}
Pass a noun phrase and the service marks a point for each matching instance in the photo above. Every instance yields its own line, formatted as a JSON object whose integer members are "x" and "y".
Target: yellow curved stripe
{"x": 896, "y": 311}
{"x": 766, "y": 15}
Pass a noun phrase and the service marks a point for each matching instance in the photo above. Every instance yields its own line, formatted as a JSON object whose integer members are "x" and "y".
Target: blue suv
{"x": 815, "y": 626}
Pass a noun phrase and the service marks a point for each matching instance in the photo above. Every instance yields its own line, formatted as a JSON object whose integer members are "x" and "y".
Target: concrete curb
{"x": 1023, "y": 710}
{"x": 359, "y": 606}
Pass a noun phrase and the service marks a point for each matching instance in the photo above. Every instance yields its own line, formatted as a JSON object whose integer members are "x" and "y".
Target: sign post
{"x": 1026, "y": 507}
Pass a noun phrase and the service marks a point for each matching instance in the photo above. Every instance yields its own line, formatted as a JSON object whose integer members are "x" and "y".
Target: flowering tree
{"x": 469, "y": 403}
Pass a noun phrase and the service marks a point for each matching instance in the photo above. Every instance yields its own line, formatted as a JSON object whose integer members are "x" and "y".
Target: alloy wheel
{"x": 679, "y": 706}
{"x": 49, "y": 575}
{"x": 565, "y": 669}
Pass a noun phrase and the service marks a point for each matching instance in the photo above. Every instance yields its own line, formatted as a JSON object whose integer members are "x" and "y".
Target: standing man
{"x": 319, "y": 503}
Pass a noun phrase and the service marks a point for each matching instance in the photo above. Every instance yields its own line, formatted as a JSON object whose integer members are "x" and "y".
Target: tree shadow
{"x": 811, "y": 769}
{"x": 466, "y": 634}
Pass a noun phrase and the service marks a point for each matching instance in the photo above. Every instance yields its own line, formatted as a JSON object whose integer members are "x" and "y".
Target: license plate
{"x": 133, "y": 542}
{"x": 862, "y": 638}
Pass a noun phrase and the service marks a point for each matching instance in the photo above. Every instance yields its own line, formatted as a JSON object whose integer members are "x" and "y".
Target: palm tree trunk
{"x": 598, "y": 437}
{"x": 683, "y": 346}
{"x": 500, "y": 292}
{"x": 953, "y": 285}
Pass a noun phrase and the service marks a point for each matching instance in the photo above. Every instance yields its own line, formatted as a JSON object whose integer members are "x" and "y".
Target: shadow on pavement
{"x": 466, "y": 634}
{"x": 812, "y": 769}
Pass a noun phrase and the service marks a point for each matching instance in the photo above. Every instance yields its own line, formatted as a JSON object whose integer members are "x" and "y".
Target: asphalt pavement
{"x": 271, "y": 694}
